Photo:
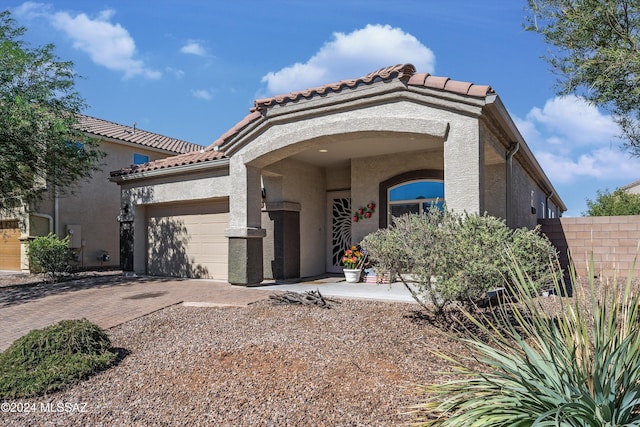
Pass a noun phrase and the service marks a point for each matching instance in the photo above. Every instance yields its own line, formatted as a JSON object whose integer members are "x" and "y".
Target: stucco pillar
{"x": 245, "y": 232}
{"x": 464, "y": 168}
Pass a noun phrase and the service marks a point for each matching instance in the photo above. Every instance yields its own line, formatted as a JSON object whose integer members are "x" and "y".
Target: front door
{"x": 338, "y": 228}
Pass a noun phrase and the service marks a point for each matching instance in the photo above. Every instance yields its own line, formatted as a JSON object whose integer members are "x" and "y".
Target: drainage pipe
{"x": 512, "y": 152}
{"x": 546, "y": 204}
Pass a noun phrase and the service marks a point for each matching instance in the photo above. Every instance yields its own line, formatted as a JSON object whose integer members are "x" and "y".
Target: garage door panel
{"x": 198, "y": 246}
{"x": 9, "y": 245}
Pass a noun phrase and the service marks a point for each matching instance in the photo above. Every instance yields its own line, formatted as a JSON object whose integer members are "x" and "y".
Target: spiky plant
{"x": 577, "y": 366}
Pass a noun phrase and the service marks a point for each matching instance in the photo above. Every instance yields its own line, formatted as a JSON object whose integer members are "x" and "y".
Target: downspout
{"x": 546, "y": 204}
{"x": 512, "y": 152}
{"x": 56, "y": 213}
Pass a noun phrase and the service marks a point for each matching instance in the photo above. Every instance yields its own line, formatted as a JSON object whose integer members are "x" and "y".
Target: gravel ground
{"x": 265, "y": 364}
{"x": 262, "y": 365}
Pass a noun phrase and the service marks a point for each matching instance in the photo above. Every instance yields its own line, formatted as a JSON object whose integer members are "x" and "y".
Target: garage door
{"x": 188, "y": 240}
{"x": 9, "y": 245}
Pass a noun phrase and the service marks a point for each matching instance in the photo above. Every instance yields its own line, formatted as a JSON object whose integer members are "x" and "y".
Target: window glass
{"x": 415, "y": 197}
{"x": 399, "y": 209}
{"x": 139, "y": 159}
{"x": 417, "y": 190}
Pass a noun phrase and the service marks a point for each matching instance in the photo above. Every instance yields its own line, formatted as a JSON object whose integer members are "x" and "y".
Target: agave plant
{"x": 578, "y": 366}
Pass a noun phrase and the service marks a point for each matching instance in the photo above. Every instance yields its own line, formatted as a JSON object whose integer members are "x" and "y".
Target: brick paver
{"x": 25, "y": 308}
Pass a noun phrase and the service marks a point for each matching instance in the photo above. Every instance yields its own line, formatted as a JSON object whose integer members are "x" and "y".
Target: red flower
{"x": 355, "y": 218}
{"x": 367, "y": 214}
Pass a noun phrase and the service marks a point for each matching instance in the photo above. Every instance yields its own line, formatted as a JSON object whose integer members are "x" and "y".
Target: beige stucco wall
{"x": 527, "y": 195}
{"x": 634, "y": 188}
{"x": 369, "y": 172}
{"x": 303, "y": 184}
{"x": 96, "y": 204}
{"x": 187, "y": 187}
{"x": 338, "y": 177}
{"x": 495, "y": 190}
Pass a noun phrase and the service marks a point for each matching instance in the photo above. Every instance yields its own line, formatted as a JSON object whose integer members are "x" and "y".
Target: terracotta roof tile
{"x": 204, "y": 155}
{"x": 250, "y": 118}
{"x": 107, "y": 129}
{"x": 404, "y": 72}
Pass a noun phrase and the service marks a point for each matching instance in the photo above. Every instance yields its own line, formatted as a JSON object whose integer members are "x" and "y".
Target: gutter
{"x": 172, "y": 170}
{"x": 515, "y": 146}
{"x": 546, "y": 204}
{"x": 495, "y": 105}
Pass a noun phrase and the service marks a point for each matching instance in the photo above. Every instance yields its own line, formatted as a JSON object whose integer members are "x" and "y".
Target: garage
{"x": 9, "y": 245}
{"x": 188, "y": 240}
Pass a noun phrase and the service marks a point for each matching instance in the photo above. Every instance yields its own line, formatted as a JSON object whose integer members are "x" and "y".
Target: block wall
{"x": 613, "y": 240}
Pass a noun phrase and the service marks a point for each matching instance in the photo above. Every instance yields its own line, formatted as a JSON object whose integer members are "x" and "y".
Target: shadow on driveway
{"x": 24, "y": 293}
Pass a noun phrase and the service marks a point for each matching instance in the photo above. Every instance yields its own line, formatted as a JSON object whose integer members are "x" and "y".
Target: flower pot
{"x": 352, "y": 275}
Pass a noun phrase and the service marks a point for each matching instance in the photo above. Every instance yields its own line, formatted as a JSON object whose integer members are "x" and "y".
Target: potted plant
{"x": 353, "y": 261}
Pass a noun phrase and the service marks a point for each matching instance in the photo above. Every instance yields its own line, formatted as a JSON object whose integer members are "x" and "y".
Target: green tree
{"x": 40, "y": 144}
{"x": 619, "y": 202}
{"x": 596, "y": 55}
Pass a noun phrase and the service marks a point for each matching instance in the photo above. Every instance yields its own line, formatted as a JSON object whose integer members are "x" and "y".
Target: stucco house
{"x": 276, "y": 195}
{"x": 632, "y": 188}
{"x": 89, "y": 215}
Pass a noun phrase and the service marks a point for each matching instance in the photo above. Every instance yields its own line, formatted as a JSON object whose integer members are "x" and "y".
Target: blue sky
{"x": 191, "y": 69}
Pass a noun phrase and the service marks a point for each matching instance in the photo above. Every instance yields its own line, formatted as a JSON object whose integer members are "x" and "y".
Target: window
{"x": 415, "y": 197}
{"x": 139, "y": 159}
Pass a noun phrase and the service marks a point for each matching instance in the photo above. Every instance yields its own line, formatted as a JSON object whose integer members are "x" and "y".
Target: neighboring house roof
{"x": 632, "y": 186}
{"x": 403, "y": 72}
{"x": 111, "y": 130}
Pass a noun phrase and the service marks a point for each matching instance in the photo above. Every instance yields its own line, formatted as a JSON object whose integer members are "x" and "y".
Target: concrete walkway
{"x": 112, "y": 300}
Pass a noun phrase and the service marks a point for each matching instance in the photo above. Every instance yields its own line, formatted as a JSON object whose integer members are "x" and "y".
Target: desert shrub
{"x": 49, "y": 255}
{"x": 577, "y": 365}
{"x": 456, "y": 257}
{"x": 49, "y": 359}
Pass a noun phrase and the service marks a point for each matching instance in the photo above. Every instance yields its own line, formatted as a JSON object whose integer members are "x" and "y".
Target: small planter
{"x": 352, "y": 275}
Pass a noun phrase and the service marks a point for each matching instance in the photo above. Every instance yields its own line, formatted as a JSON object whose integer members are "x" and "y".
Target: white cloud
{"x": 193, "y": 48}
{"x": 178, "y": 73}
{"x": 573, "y": 140}
{"x": 573, "y": 120}
{"x": 31, "y": 10}
{"x": 107, "y": 44}
{"x": 350, "y": 56}
{"x": 202, "y": 94}
{"x": 606, "y": 164}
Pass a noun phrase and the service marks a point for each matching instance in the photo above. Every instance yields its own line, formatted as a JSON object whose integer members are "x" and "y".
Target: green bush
{"x": 576, "y": 366}
{"x": 49, "y": 255}
{"x": 52, "y": 358}
{"x": 457, "y": 257}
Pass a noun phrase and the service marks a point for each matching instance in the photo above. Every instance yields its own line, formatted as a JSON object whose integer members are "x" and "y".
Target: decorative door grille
{"x": 340, "y": 228}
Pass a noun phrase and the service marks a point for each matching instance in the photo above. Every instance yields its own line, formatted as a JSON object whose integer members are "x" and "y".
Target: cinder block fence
{"x": 613, "y": 240}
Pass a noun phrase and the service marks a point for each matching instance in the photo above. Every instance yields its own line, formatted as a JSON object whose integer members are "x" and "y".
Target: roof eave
{"x": 171, "y": 171}
{"x": 494, "y": 103}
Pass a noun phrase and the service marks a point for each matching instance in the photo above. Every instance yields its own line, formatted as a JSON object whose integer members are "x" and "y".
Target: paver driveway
{"x": 107, "y": 301}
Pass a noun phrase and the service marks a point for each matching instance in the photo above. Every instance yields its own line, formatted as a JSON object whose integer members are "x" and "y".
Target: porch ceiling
{"x": 336, "y": 150}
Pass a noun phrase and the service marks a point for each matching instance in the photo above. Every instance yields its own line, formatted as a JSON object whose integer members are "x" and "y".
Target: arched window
{"x": 415, "y": 197}
{"x": 413, "y": 191}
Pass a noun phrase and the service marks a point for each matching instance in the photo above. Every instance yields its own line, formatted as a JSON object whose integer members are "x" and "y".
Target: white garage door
{"x": 188, "y": 240}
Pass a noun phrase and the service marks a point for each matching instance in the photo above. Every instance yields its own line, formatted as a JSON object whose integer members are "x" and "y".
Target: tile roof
{"x": 107, "y": 129}
{"x": 204, "y": 155}
{"x": 403, "y": 72}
